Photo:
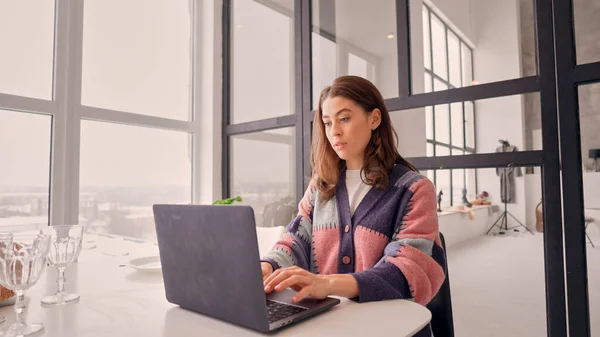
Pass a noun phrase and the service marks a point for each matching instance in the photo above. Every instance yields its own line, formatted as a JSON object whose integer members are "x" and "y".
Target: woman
{"x": 369, "y": 227}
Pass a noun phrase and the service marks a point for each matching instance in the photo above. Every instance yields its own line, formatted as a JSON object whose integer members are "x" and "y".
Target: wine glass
{"x": 2, "y": 237}
{"x": 22, "y": 261}
{"x": 65, "y": 246}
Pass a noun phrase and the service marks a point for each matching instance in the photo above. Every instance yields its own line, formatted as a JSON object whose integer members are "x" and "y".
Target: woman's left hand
{"x": 300, "y": 280}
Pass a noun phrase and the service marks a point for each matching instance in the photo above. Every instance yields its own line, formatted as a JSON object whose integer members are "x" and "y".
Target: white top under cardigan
{"x": 357, "y": 189}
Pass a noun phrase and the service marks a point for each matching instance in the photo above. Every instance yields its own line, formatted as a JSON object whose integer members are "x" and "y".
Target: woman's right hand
{"x": 267, "y": 269}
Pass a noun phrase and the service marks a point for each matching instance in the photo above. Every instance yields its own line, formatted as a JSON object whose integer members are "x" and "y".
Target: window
{"x": 262, "y": 61}
{"x": 355, "y": 38}
{"x": 324, "y": 65}
{"x": 123, "y": 175}
{"x": 25, "y": 168}
{"x": 27, "y": 35}
{"x": 357, "y": 66}
{"x": 138, "y": 150}
{"x": 141, "y": 61}
{"x": 26, "y": 114}
{"x": 268, "y": 188}
{"x": 100, "y": 112}
{"x": 450, "y": 127}
{"x": 259, "y": 152}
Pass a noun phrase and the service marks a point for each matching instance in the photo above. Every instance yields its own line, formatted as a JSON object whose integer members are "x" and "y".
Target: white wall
{"x": 497, "y": 56}
{"x": 459, "y": 229}
{"x": 387, "y": 76}
{"x": 533, "y": 185}
{"x": 591, "y": 194}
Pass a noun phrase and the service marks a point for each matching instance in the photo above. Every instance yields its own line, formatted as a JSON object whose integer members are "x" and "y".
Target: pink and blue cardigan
{"x": 391, "y": 244}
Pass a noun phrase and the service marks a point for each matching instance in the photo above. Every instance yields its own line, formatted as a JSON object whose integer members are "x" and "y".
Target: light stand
{"x": 503, "y": 218}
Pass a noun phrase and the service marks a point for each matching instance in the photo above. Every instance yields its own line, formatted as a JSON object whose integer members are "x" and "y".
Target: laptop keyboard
{"x": 277, "y": 310}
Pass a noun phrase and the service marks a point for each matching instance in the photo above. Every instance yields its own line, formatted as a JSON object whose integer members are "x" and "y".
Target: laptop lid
{"x": 210, "y": 261}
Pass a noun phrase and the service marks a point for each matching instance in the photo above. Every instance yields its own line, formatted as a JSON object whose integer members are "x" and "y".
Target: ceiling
{"x": 363, "y": 24}
{"x": 366, "y": 25}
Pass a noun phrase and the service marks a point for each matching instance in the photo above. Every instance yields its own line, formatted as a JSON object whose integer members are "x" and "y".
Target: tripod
{"x": 503, "y": 218}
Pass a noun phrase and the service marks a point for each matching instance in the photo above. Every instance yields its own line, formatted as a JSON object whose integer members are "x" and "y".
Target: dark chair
{"x": 440, "y": 306}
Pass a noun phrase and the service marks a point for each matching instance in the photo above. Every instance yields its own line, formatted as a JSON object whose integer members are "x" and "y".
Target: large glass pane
{"x": 469, "y": 125}
{"x": 532, "y": 121}
{"x": 442, "y": 184}
{"x": 262, "y": 72}
{"x": 457, "y": 124}
{"x": 589, "y": 121}
{"x": 430, "y": 174}
{"x": 471, "y": 184}
{"x": 24, "y": 168}
{"x": 528, "y": 37}
{"x": 324, "y": 65}
{"x": 466, "y": 59}
{"x": 429, "y": 121}
{"x": 442, "y": 123}
{"x": 516, "y": 119}
{"x": 439, "y": 85}
{"x": 357, "y": 66}
{"x": 137, "y": 57}
{"x": 426, "y": 39}
{"x": 520, "y": 268}
{"x": 587, "y": 30}
{"x": 270, "y": 190}
{"x": 366, "y": 29}
{"x": 456, "y": 152}
{"x": 438, "y": 40}
{"x": 428, "y": 84}
{"x": 454, "y": 61}
{"x": 441, "y": 150}
{"x": 27, "y": 52}
{"x": 123, "y": 175}
{"x": 458, "y": 184}
{"x": 506, "y": 40}
{"x": 486, "y": 41}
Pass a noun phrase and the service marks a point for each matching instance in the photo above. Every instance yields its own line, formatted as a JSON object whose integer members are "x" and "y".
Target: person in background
{"x": 367, "y": 227}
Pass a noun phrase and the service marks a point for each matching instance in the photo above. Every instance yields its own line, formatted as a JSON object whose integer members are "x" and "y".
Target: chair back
{"x": 442, "y": 323}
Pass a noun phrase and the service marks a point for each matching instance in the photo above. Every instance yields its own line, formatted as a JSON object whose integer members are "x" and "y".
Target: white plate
{"x": 146, "y": 264}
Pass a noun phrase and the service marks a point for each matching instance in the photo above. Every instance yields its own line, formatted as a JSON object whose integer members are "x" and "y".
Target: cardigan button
{"x": 347, "y": 229}
{"x": 346, "y": 260}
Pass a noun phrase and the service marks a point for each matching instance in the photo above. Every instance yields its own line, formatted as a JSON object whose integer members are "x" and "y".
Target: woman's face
{"x": 349, "y": 127}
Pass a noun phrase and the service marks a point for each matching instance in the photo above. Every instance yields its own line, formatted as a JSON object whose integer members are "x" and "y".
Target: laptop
{"x": 211, "y": 265}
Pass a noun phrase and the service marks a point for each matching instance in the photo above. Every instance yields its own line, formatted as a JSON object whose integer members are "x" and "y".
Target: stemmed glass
{"x": 65, "y": 246}
{"x": 22, "y": 261}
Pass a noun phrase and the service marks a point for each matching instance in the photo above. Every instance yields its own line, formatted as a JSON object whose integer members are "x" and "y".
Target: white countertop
{"x": 117, "y": 300}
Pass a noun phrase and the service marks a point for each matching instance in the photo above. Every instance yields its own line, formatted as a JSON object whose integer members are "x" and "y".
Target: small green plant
{"x": 228, "y": 201}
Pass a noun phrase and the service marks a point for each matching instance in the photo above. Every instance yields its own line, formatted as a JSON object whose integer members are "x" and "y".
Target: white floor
{"x": 497, "y": 285}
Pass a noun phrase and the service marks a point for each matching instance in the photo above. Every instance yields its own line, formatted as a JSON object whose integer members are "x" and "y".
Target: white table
{"x": 117, "y": 300}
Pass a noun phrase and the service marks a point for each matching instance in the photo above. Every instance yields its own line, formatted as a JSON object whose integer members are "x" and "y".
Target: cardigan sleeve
{"x": 293, "y": 249}
{"x": 413, "y": 263}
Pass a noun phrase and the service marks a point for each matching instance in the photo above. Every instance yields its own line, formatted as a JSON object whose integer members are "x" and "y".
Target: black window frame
{"x": 435, "y": 143}
{"x": 557, "y": 80}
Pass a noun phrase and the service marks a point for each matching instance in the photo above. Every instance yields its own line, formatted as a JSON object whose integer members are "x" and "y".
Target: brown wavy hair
{"x": 381, "y": 153}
